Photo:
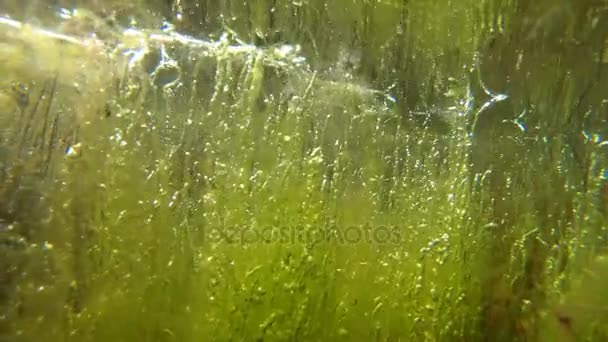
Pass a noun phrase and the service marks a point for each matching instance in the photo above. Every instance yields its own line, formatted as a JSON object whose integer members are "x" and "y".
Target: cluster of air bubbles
{"x": 65, "y": 13}
{"x": 288, "y": 54}
{"x": 167, "y": 26}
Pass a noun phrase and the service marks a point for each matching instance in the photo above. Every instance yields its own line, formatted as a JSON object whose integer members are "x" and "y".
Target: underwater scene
{"x": 304, "y": 170}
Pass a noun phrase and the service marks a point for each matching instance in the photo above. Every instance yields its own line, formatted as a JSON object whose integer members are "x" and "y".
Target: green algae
{"x": 351, "y": 170}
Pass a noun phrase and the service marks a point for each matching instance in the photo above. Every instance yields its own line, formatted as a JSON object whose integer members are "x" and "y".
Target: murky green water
{"x": 303, "y": 171}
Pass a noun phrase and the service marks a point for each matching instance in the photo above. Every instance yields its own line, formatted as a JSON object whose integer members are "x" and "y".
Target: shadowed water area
{"x": 266, "y": 170}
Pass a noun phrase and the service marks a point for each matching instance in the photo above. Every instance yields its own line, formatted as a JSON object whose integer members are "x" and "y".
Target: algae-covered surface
{"x": 311, "y": 170}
